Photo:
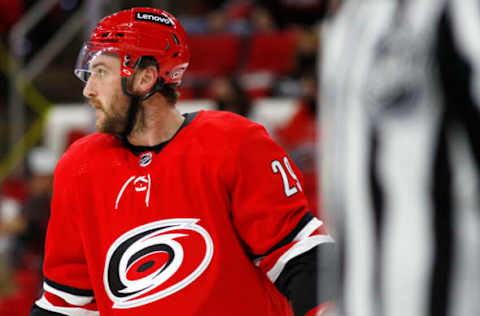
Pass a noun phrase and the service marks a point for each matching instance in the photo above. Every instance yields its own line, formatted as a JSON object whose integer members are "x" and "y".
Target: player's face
{"x": 103, "y": 89}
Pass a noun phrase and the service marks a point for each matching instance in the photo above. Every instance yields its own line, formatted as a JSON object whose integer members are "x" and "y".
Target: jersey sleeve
{"x": 271, "y": 215}
{"x": 67, "y": 289}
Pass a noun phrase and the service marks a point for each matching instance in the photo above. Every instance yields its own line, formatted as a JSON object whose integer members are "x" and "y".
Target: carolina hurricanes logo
{"x": 156, "y": 260}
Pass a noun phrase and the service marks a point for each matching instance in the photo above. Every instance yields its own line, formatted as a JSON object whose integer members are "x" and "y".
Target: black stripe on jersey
{"x": 378, "y": 210}
{"x": 289, "y": 238}
{"x": 137, "y": 150}
{"x": 38, "y": 311}
{"x": 457, "y": 94}
{"x": 339, "y": 277}
{"x": 310, "y": 279}
{"x": 376, "y": 190}
{"x": 68, "y": 289}
{"x": 443, "y": 230}
{"x": 456, "y": 78}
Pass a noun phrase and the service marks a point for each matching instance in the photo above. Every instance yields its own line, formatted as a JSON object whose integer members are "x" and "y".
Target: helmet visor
{"x": 87, "y": 56}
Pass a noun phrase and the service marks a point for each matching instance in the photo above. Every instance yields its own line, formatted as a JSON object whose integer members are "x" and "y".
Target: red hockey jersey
{"x": 203, "y": 224}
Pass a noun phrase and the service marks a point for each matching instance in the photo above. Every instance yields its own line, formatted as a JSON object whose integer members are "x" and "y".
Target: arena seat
{"x": 269, "y": 55}
{"x": 20, "y": 302}
{"x": 272, "y": 51}
{"x": 213, "y": 55}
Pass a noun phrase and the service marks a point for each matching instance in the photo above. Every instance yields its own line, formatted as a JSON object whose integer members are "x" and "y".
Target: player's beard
{"x": 111, "y": 120}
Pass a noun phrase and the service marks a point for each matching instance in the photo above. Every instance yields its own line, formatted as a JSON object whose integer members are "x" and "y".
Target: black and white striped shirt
{"x": 400, "y": 87}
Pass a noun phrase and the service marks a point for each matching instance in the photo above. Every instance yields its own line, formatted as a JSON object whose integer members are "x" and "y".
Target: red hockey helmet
{"x": 135, "y": 33}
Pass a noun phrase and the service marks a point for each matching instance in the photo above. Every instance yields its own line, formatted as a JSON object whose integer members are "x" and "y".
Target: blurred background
{"x": 259, "y": 59}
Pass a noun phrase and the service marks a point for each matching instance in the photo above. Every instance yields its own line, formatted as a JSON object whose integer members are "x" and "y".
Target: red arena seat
{"x": 272, "y": 52}
{"x": 269, "y": 55}
{"x": 213, "y": 55}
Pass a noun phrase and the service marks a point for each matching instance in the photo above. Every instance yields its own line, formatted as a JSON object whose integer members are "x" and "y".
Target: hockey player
{"x": 169, "y": 214}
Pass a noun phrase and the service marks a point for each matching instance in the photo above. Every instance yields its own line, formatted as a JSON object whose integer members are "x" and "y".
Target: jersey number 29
{"x": 278, "y": 167}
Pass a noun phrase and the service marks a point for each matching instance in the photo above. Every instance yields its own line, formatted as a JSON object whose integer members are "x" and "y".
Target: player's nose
{"x": 89, "y": 89}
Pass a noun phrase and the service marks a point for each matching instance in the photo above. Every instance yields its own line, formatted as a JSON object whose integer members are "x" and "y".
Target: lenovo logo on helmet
{"x": 150, "y": 17}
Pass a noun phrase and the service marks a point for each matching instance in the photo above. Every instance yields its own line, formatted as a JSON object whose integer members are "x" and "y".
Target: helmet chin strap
{"x": 135, "y": 103}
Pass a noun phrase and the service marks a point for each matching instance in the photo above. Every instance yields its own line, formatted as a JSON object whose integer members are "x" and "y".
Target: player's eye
{"x": 100, "y": 73}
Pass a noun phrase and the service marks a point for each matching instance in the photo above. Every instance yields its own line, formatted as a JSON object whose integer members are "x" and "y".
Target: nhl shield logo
{"x": 145, "y": 159}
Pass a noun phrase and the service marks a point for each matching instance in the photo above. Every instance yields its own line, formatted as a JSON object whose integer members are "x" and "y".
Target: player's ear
{"x": 146, "y": 79}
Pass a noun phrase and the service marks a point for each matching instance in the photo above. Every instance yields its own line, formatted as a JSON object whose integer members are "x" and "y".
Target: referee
{"x": 400, "y": 119}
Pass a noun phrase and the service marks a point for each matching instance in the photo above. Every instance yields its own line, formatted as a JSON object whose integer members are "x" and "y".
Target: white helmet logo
{"x": 151, "y": 17}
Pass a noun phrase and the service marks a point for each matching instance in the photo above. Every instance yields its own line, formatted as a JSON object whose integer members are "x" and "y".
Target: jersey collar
{"x": 137, "y": 150}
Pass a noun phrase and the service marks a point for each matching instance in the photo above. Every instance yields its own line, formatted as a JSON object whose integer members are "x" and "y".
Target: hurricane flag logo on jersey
{"x": 156, "y": 260}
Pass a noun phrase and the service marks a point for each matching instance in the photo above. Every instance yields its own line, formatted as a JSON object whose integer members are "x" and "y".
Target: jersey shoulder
{"x": 230, "y": 135}
{"x": 226, "y": 124}
{"x": 86, "y": 149}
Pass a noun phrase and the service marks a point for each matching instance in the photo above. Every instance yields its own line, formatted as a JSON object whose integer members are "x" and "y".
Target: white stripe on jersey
{"x": 306, "y": 231}
{"x": 296, "y": 250}
{"x": 71, "y": 311}
{"x": 69, "y": 298}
